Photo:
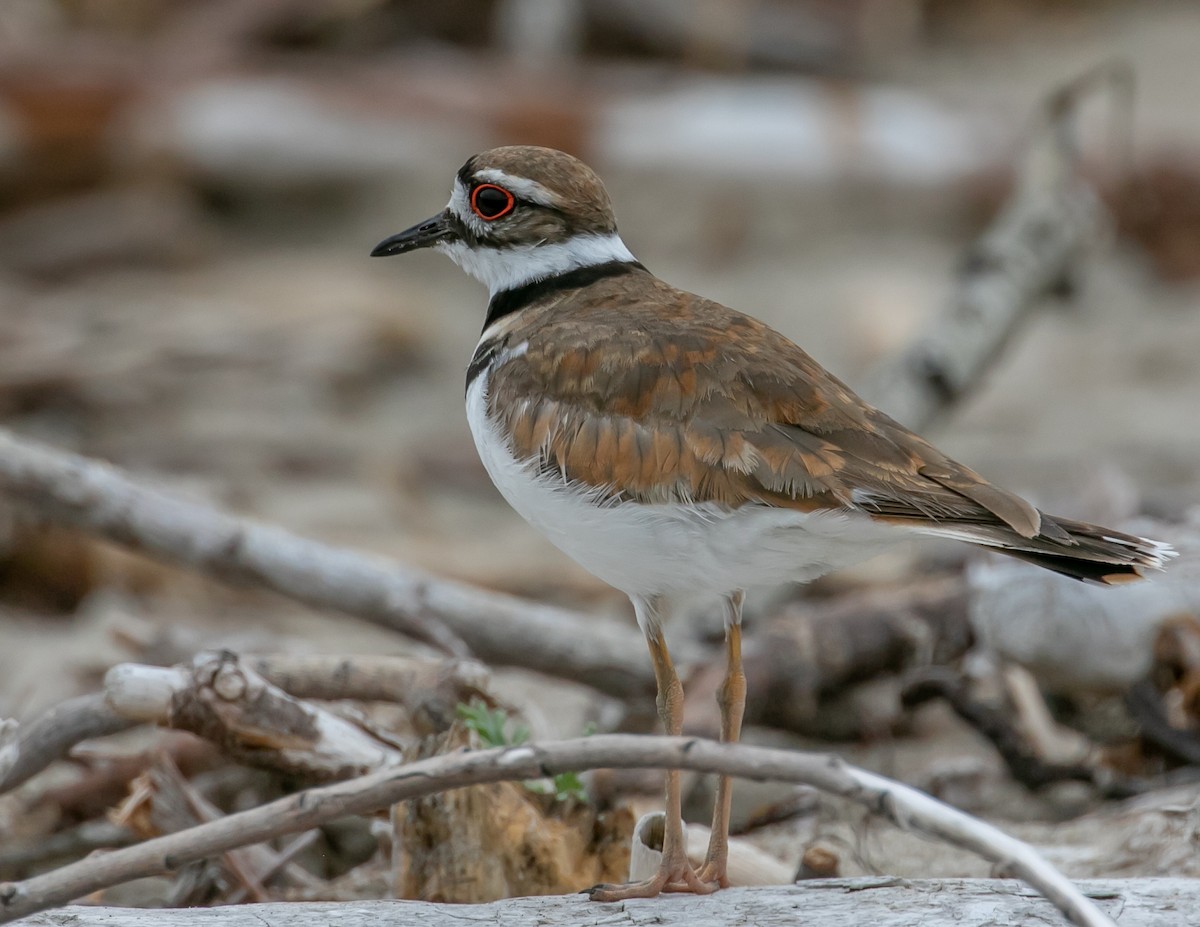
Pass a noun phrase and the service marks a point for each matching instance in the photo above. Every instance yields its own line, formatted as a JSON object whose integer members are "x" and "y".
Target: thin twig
{"x": 236, "y": 861}
{"x": 899, "y": 803}
{"x": 428, "y": 690}
{"x": 282, "y": 859}
{"x": 498, "y": 629}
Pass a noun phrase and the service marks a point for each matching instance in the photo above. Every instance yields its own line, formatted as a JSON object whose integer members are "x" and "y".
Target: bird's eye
{"x": 491, "y": 202}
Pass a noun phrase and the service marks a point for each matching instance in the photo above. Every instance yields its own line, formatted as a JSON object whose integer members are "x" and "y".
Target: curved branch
{"x": 901, "y": 804}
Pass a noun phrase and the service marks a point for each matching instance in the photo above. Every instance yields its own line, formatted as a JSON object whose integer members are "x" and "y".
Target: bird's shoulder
{"x": 639, "y": 347}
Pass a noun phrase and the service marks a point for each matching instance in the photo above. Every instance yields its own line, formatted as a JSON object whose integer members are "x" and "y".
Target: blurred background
{"x": 189, "y": 190}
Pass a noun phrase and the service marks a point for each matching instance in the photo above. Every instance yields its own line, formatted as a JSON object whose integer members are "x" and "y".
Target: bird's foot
{"x": 680, "y": 877}
{"x": 713, "y": 873}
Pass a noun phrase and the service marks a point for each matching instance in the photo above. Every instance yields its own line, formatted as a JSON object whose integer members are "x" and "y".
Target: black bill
{"x": 421, "y": 235}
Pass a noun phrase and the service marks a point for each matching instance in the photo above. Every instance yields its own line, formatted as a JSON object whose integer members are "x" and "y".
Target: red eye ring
{"x": 492, "y": 208}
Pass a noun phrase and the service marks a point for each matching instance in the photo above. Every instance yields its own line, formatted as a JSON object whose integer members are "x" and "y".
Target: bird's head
{"x": 519, "y": 214}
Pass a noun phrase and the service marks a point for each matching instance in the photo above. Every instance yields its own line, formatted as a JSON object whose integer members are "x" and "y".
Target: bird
{"x": 675, "y": 447}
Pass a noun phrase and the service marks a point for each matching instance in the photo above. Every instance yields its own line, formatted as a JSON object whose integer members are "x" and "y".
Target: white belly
{"x": 647, "y": 550}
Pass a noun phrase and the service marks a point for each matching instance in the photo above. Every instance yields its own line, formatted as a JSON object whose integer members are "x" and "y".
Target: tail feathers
{"x": 1081, "y": 551}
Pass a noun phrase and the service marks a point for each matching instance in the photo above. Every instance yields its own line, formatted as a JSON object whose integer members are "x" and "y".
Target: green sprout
{"x": 491, "y": 725}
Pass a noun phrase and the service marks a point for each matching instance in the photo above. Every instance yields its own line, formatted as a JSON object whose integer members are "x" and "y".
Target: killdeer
{"x": 673, "y": 446}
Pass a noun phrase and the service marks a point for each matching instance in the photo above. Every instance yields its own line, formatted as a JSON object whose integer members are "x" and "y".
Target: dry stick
{"x": 901, "y": 804}
{"x": 1030, "y": 249}
{"x": 414, "y": 684}
{"x": 498, "y": 629}
{"x": 1024, "y": 764}
{"x": 283, "y": 858}
{"x": 430, "y": 691}
{"x": 40, "y": 742}
{"x": 203, "y": 810}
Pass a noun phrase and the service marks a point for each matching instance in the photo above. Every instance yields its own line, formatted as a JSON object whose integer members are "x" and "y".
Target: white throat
{"x": 501, "y": 269}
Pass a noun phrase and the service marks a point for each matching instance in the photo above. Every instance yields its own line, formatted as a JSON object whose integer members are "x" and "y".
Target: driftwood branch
{"x": 813, "y": 650}
{"x": 219, "y": 698}
{"x": 33, "y": 746}
{"x": 498, "y": 629}
{"x": 1031, "y": 249}
{"x": 429, "y": 690}
{"x": 1023, "y": 762}
{"x": 899, "y": 803}
{"x": 371, "y": 678}
{"x": 424, "y": 687}
{"x": 881, "y": 902}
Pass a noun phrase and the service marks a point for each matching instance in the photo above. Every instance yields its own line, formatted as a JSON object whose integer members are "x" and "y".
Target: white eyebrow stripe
{"x": 459, "y": 205}
{"x": 523, "y": 187}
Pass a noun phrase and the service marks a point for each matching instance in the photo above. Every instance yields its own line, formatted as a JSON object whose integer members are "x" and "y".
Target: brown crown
{"x": 581, "y": 202}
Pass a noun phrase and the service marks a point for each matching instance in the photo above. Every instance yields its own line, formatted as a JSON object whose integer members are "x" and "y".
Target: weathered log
{"x": 810, "y": 652}
{"x": 893, "y": 800}
{"x": 881, "y": 902}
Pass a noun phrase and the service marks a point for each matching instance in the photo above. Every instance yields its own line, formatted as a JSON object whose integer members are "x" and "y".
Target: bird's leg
{"x": 731, "y": 698}
{"x": 675, "y": 873}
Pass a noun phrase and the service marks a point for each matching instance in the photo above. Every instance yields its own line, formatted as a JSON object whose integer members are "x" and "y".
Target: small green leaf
{"x": 492, "y": 727}
{"x": 490, "y": 724}
{"x": 569, "y": 785}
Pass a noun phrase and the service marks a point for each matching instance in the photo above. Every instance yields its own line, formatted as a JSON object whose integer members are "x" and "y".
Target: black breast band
{"x": 506, "y": 302}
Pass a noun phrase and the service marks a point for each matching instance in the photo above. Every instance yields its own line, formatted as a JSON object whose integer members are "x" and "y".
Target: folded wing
{"x": 704, "y": 405}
